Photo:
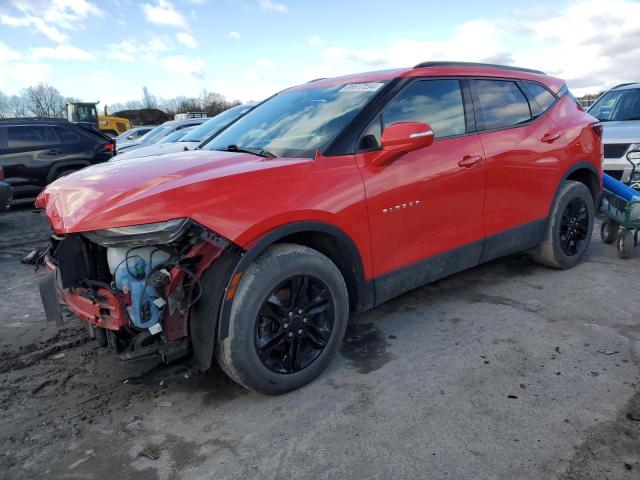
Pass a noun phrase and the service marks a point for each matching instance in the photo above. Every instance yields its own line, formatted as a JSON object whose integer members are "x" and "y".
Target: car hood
{"x": 185, "y": 184}
{"x": 627, "y": 131}
{"x": 172, "y": 147}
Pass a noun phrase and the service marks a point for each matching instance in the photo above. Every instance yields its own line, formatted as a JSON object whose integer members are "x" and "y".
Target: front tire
{"x": 288, "y": 317}
{"x": 569, "y": 229}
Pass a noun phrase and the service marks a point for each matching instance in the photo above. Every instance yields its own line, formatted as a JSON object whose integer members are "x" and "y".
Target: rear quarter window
{"x": 502, "y": 103}
{"x": 541, "y": 95}
{"x": 65, "y": 135}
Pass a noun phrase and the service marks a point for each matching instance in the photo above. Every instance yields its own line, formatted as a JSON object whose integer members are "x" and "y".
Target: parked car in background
{"x": 329, "y": 197}
{"x": 198, "y": 136}
{"x": 154, "y": 136}
{"x": 6, "y": 193}
{"x": 619, "y": 110}
{"x": 175, "y": 136}
{"x": 133, "y": 134}
{"x": 36, "y": 151}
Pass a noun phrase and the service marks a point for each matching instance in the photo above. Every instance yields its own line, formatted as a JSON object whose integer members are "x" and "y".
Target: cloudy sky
{"x": 247, "y": 49}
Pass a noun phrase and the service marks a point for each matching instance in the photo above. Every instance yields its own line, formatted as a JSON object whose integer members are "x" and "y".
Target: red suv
{"x": 327, "y": 198}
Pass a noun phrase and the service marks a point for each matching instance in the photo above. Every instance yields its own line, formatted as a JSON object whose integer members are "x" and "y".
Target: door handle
{"x": 550, "y": 137}
{"x": 469, "y": 161}
{"x": 52, "y": 152}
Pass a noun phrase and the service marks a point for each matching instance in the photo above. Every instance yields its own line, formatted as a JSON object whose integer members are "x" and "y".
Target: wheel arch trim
{"x": 363, "y": 289}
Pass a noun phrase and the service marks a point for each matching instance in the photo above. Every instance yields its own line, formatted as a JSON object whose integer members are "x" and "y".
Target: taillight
{"x": 109, "y": 147}
{"x": 1, "y": 173}
{"x": 598, "y": 129}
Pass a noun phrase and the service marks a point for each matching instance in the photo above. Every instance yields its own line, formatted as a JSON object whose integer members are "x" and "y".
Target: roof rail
{"x": 477, "y": 65}
{"x": 33, "y": 119}
{"x": 622, "y": 85}
{"x": 317, "y": 79}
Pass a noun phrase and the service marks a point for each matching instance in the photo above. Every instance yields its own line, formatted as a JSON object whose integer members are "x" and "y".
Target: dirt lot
{"x": 493, "y": 373}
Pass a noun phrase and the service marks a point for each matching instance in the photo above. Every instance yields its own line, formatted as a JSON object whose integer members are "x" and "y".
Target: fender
{"x": 363, "y": 289}
{"x": 56, "y": 167}
{"x": 574, "y": 168}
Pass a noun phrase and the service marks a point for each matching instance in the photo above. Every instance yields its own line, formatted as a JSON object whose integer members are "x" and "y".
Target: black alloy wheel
{"x": 294, "y": 324}
{"x": 574, "y": 227}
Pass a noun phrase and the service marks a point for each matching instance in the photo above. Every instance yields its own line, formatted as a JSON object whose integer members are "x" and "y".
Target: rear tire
{"x": 626, "y": 242}
{"x": 609, "y": 231}
{"x": 569, "y": 228}
{"x": 288, "y": 317}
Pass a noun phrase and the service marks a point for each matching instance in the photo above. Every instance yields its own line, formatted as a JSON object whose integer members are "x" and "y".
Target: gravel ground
{"x": 495, "y": 373}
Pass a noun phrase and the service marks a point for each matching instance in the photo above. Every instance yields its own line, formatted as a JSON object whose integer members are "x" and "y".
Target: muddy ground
{"x": 495, "y": 373}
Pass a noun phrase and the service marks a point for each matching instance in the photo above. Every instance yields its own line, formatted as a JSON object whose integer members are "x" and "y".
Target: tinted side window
{"x": 438, "y": 102}
{"x": 65, "y": 135}
{"x": 542, "y": 96}
{"x": 27, "y": 136}
{"x": 502, "y": 103}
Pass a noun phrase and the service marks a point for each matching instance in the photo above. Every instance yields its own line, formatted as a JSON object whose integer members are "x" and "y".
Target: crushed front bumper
{"x": 99, "y": 306}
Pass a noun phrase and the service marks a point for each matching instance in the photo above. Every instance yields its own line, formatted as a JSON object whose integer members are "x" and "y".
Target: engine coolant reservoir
{"x": 130, "y": 268}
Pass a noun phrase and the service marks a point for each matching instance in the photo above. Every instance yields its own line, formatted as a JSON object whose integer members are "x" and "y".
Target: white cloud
{"x": 7, "y": 54}
{"x": 25, "y": 74}
{"x": 233, "y": 35}
{"x": 591, "y": 44}
{"x": 265, "y": 62}
{"x": 61, "y": 52}
{"x": 187, "y": 40}
{"x": 129, "y": 51}
{"x": 270, "y": 5}
{"x": 163, "y": 13}
{"x": 185, "y": 66}
{"x": 316, "y": 42}
{"x": 52, "y": 17}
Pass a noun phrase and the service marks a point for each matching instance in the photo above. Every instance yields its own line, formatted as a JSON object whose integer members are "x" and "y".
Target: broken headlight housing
{"x": 139, "y": 235}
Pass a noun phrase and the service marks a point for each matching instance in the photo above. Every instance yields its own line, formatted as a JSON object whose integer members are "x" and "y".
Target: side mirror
{"x": 403, "y": 137}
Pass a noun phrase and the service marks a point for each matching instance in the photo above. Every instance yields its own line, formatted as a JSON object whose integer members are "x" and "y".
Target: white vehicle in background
{"x": 196, "y": 137}
{"x": 133, "y": 134}
{"x": 158, "y": 133}
{"x": 619, "y": 111}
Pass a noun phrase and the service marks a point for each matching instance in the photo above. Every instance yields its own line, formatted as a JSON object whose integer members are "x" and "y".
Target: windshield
{"x": 155, "y": 134}
{"x": 85, "y": 113}
{"x": 617, "y": 105}
{"x": 212, "y": 126}
{"x": 297, "y": 123}
{"x": 175, "y": 136}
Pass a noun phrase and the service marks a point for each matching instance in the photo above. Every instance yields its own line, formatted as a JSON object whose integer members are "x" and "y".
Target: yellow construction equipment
{"x": 87, "y": 113}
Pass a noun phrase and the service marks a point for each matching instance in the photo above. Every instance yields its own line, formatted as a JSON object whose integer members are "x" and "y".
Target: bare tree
{"x": 148, "y": 100}
{"x": 18, "y": 106}
{"x": 5, "y": 109}
{"x": 45, "y": 101}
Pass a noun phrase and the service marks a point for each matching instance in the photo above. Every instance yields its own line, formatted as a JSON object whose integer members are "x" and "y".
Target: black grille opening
{"x": 78, "y": 260}
{"x": 615, "y": 150}
{"x": 617, "y": 174}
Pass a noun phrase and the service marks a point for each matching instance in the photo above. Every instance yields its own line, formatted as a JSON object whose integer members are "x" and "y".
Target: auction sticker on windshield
{"x": 362, "y": 87}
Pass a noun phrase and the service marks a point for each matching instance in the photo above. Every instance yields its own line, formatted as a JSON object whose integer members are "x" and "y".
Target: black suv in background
{"x": 6, "y": 194}
{"x": 35, "y": 151}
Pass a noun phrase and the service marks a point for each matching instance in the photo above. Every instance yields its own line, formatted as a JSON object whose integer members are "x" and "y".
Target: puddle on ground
{"x": 365, "y": 347}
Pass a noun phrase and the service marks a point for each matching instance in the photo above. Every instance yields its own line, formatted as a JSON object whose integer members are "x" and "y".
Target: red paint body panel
{"x": 506, "y": 178}
{"x": 449, "y": 212}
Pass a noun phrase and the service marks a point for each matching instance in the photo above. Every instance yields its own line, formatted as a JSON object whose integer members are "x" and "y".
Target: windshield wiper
{"x": 253, "y": 151}
{"x": 634, "y": 117}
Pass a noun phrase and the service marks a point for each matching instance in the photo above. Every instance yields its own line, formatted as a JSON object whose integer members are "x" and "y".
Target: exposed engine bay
{"x": 136, "y": 298}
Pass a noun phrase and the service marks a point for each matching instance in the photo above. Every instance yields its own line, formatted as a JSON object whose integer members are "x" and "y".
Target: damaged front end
{"x": 134, "y": 286}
